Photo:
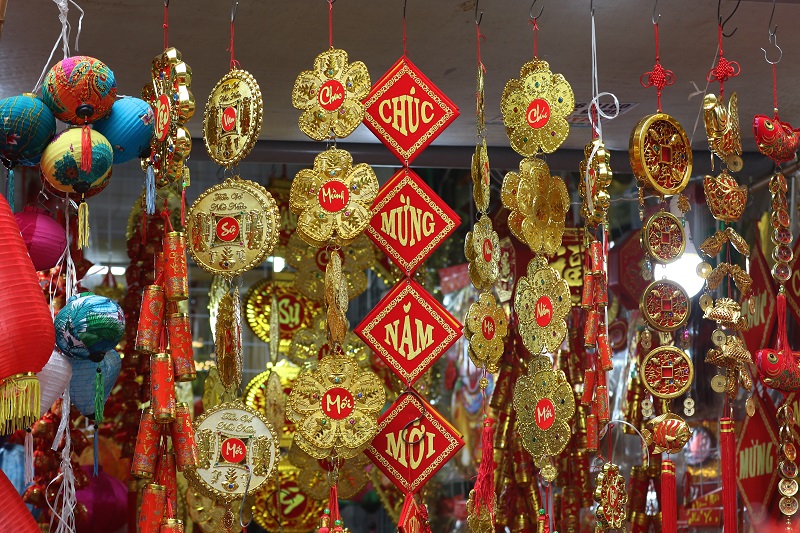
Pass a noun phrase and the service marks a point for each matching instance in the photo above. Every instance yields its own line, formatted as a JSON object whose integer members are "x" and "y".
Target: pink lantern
{"x": 45, "y": 238}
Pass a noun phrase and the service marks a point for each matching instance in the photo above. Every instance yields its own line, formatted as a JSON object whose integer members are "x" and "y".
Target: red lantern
{"x": 26, "y": 329}
{"x": 14, "y": 515}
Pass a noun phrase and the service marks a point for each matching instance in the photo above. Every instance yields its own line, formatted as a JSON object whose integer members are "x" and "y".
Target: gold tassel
{"x": 19, "y": 402}
{"x": 83, "y": 224}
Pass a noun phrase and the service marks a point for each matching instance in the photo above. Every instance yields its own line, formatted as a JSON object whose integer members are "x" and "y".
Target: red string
{"x": 234, "y": 63}
{"x": 166, "y": 26}
{"x": 478, "y": 37}
{"x": 535, "y": 29}
{"x": 659, "y": 77}
{"x": 405, "y": 52}
{"x": 330, "y": 23}
{"x": 775, "y": 89}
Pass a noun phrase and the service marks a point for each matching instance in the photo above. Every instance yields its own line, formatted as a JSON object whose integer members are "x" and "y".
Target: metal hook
{"x": 234, "y": 5}
{"x": 478, "y": 18}
{"x": 530, "y": 11}
{"x": 654, "y": 18}
{"x": 722, "y": 23}
{"x": 773, "y": 39}
{"x": 166, "y": 3}
{"x": 770, "y": 29}
{"x": 591, "y": 7}
{"x": 405, "y": 4}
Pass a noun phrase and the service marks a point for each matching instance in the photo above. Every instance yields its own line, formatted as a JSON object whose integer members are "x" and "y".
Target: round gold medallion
{"x": 788, "y": 469}
{"x": 232, "y": 227}
{"x": 667, "y": 372}
{"x": 663, "y": 237}
{"x": 661, "y": 155}
{"x": 719, "y": 383}
{"x": 788, "y": 505}
{"x": 665, "y": 305}
{"x": 232, "y": 120}
{"x": 789, "y": 451}
{"x": 787, "y": 487}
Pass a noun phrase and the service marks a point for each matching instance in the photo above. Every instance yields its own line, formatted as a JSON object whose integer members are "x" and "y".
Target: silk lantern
{"x": 79, "y": 89}
{"x": 61, "y": 162}
{"x": 88, "y": 326}
{"x": 106, "y": 501}
{"x": 14, "y": 514}
{"x": 26, "y": 329}
{"x": 45, "y": 238}
{"x": 54, "y": 379}
{"x": 129, "y": 128}
{"x": 84, "y": 387}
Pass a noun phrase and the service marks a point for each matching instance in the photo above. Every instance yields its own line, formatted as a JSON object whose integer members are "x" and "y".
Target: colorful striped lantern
{"x": 61, "y": 162}
{"x": 129, "y": 128}
{"x": 92, "y": 382}
{"x": 79, "y": 89}
{"x": 89, "y": 326}
{"x": 54, "y": 379}
{"x": 45, "y": 238}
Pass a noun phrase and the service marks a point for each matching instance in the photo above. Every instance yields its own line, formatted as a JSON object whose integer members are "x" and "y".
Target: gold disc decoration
{"x": 661, "y": 155}
{"x": 331, "y": 95}
{"x": 664, "y": 237}
{"x": 667, "y": 372}
{"x": 170, "y": 96}
{"x": 485, "y": 327}
{"x": 535, "y": 108}
{"x": 238, "y": 450}
{"x": 336, "y": 407}
{"x": 481, "y": 177}
{"x": 612, "y": 498}
{"x": 311, "y": 344}
{"x": 482, "y": 250}
{"x": 595, "y": 178}
{"x": 481, "y": 521}
{"x": 351, "y": 474}
{"x": 665, "y": 305}
{"x": 542, "y": 302}
{"x": 232, "y": 227}
{"x": 333, "y": 200}
{"x": 232, "y": 119}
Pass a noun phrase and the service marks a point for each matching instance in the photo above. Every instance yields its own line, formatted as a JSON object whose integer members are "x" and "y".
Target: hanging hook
{"x": 654, "y": 18}
{"x": 478, "y": 18}
{"x": 405, "y": 4}
{"x": 722, "y": 23}
{"x": 591, "y": 7}
{"x": 770, "y": 29}
{"x": 166, "y": 3}
{"x": 234, "y": 5}
{"x": 773, "y": 39}
{"x": 530, "y": 11}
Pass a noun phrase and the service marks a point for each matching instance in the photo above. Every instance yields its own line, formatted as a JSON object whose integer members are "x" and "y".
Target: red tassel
{"x": 727, "y": 441}
{"x": 484, "y": 483}
{"x": 86, "y": 149}
{"x": 783, "y": 335}
{"x": 669, "y": 498}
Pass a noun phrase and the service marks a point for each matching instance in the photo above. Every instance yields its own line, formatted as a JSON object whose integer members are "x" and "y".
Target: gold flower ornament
{"x": 486, "y": 326}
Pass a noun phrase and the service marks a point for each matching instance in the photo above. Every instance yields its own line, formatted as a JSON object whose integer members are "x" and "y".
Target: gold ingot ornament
{"x": 661, "y": 155}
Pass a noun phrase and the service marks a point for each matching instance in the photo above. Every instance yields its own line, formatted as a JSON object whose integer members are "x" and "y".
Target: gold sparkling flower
{"x": 485, "y": 327}
{"x": 542, "y": 303}
{"x": 612, "y": 497}
{"x": 336, "y": 407}
{"x": 535, "y": 109}
{"x": 544, "y": 402}
{"x": 481, "y": 177}
{"x": 482, "y": 249}
{"x": 311, "y": 344}
{"x": 538, "y": 203}
{"x": 330, "y": 95}
{"x": 333, "y": 200}
{"x": 351, "y": 474}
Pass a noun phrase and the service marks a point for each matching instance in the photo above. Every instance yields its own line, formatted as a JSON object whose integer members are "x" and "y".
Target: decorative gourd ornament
{"x": 89, "y": 326}
{"x": 26, "y": 329}
{"x": 45, "y": 238}
{"x": 129, "y": 129}
{"x": 54, "y": 379}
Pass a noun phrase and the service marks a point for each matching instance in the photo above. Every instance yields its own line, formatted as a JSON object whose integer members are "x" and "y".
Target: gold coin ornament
{"x": 351, "y": 474}
{"x": 169, "y": 94}
{"x": 238, "y": 451}
{"x": 336, "y": 407}
{"x": 661, "y": 155}
{"x": 333, "y": 200}
{"x": 596, "y": 176}
{"x": 667, "y": 372}
{"x": 542, "y": 302}
{"x": 535, "y": 108}
{"x": 612, "y": 498}
{"x": 310, "y": 344}
{"x": 664, "y": 238}
{"x": 232, "y": 227}
{"x": 331, "y": 95}
{"x": 482, "y": 250}
{"x": 545, "y": 403}
{"x": 481, "y": 177}
{"x": 665, "y": 305}
{"x": 485, "y": 327}
{"x": 232, "y": 119}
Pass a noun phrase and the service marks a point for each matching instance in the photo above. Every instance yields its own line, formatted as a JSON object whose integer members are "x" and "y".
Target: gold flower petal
{"x": 304, "y": 92}
{"x": 317, "y": 225}
{"x": 347, "y": 118}
{"x": 356, "y": 81}
{"x": 316, "y": 123}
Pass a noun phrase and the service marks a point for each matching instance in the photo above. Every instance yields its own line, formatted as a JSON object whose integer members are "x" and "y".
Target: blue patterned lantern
{"x": 129, "y": 129}
{"x": 89, "y": 326}
{"x": 92, "y": 382}
{"x": 26, "y": 128}
{"x": 61, "y": 162}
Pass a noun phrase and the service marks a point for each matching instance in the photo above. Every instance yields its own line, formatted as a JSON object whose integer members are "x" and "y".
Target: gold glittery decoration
{"x": 740, "y": 277}
{"x": 229, "y": 342}
{"x": 593, "y": 184}
{"x": 481, "y": 521}
{"x": 351, "y": 474}
{"x": 481, "y": 177}
{"x": 732, "y": 356}
{"x": 663, "y": 237}
{"x": 485, "y": 327}
{"x": 667, "y": 372}
{"x": 535, "y": 109}
{"x": 722, "y": 129}
{"x": 665, "y": 305}
{"x": 482, "y": 250}
{"x": 542, "y": 302}
{"x": 311, "y": 344}
{"x": 333, "y": 200}
{"x": 336, "y": 317}
{"x": 612, "y": 498}
{"x": 660, "y": 153}
{"x": 330, "y": 95}
{"x": 712, "y": 246}
{"x": 725, "y": 197}
{"x": 727, "y": 313}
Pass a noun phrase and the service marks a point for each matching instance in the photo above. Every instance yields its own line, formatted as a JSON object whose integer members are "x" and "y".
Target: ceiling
{"x": 276, "y": 41}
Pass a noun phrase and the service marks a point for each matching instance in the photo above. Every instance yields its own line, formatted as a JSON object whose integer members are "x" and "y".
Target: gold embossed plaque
{"x": 661, "y": 155}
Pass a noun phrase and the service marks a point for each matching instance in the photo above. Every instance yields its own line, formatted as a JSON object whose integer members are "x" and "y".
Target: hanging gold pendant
{"x": 661, "y": 155}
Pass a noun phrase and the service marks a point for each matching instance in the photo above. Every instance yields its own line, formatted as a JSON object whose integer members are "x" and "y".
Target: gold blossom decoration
{"x": 535, "y": 109}
{"x": 542, "y": 303}
{"x": 311, "y": 344}
{"x": 481, "y": 177}
{"x": 612, "y": 498}
{"x": 480, "y": 521}
{"x": 333, "y": 199}
{"x": 330, "y": 95}
{"x": 482, "y": 250}
{"x": 485, "y": 328}
{"x": 351, "y": 474}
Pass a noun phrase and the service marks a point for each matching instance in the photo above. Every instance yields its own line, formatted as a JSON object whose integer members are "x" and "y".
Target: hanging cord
{"x": 532, "y": 20}
{"x": 775, "y": 89}
{"x": 63, "y": 38}
{"x": 234, "y": 63}
{"x": 725, "y": 69}
{"x": 659, "y": 77}
{"x": 330, "y": 22}
{"x": 405, "y": 51}
{"x": 166, "y": 24}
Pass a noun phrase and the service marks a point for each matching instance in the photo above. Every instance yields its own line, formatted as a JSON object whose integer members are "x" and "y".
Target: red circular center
{"x": 290, "y": 313}
{"x": 488, "y": 328}
{"x": 538, "y": 113}
{"x": 323, "y": 257}
{"x": 228, "y": 119}
{"x": 545, "y": 413}
{"x": 487, "y": 250}
{"x": 233, "y": 450}
{"x": 291, "y": 499}
{"x": 337, "y": 403}
{"x": 333, "y": 196}
{"x": 544, "y": 311}
{"x": 330, "y": 95}
{"x": 162, "y": 117}
{"x": 227, "y": 229}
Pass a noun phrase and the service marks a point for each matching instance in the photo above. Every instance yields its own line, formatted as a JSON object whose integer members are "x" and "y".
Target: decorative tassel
{"x": 99, "y": 389}
{"x": 783, "y": 335}
{"x": 83, "y": 224}
{"x": 10, "y": 187}
{"x": 183, "y": 206}
{"x": 19, "y": 402}
{"x": 727, "y": 442}
{"x": 28, "y": 456}
{"x": 484, "y": 483}
{"x": 150, "y": 190}
{"x": 96, "y": 470}
{"x": 86, "y": 149}
{"x": 669, "y": 498}
{"x": 65, "y": 515}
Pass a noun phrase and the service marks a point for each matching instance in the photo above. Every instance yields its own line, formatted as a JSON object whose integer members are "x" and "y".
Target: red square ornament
{"x": 409, "y": 329}
{"x": 410, "y": 520}
{"x": 411, "y": 453}
{"x": 409, "y": 221}
{"x": 406, "y": 111}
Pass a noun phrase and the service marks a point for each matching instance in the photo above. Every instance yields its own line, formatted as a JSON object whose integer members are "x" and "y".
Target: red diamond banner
{"x": 413, "y": 442}
{"x": 406, "y": 111}
{"x": 410, "y": 520}
{"x": 409, "y": 220}
{"x": 409, "y": 329}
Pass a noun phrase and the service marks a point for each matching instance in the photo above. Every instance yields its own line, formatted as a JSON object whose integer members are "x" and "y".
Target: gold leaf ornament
{"x": 542, "y": 302}
{"x": 486, "y": 326}
{"x": 595, "y": 178}
{"x": 612, "y": 498}
{"x": 481, "y": 177}
{"x": 482, "y": 250}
